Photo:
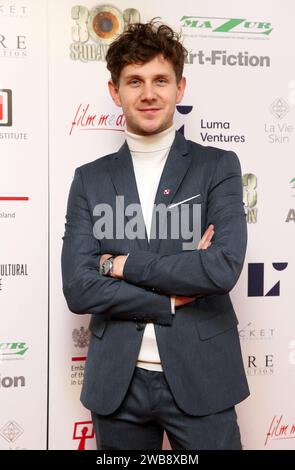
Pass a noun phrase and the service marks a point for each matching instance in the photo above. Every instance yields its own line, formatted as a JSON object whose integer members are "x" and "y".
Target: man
{"x": 164, "y": 352}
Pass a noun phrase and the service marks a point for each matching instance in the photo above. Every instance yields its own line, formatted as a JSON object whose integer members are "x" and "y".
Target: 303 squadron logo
{"x": 95, "y": 29}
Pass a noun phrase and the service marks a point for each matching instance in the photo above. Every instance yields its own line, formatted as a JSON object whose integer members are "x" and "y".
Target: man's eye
{"x": 134, "y": 82}
{"x": 162, "y": 81}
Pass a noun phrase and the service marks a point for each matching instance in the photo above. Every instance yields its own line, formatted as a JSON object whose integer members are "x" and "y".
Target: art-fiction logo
{"x": 93, "y": 30}
{"x": 206, "y": 26}
{"x": 11, "y": 431}
{"x": 256, "y": 288}
{"x": 280, "y": 429}
{"x": 250, "y": 197}
{"x": 13, "y": 351}
{"x": 279, "y": 131}
{"x": 5, "y": 107}
{"x": 83, "y": 431}
{"x": 291, "y": 213}
{"x": 12, "y": 382}
{"x": 224, "y": 58}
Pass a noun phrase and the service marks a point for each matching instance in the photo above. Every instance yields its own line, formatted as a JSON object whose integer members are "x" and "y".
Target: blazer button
{"x": 139, "y": 326}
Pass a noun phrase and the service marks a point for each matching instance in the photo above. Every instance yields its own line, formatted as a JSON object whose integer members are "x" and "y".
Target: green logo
{"x": 227, "y": 25}
{"x": 12, "y": 350}
{"x": 292, "y": 182}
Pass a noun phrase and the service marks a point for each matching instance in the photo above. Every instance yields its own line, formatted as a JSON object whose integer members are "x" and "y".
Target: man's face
{"x": 148, "y": 94}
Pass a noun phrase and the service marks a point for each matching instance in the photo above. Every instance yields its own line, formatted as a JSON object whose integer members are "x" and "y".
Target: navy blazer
{"x": 199, "y": 346}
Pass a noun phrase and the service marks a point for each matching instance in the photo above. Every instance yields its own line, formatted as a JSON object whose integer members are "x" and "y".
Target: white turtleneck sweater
{"x": 149, "y": 154}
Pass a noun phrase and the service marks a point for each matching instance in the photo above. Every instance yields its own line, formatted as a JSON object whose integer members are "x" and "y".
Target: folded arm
{"x": 202, "y": 272}
{"x": 87, "y": 291}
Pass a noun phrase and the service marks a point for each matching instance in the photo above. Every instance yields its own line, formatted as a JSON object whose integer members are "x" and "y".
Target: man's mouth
{"x": 149, "y": 110}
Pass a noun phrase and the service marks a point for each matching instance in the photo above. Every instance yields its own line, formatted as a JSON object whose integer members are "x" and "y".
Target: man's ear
{"x": 180, "y": 89}
{"x": 114, "y": 92}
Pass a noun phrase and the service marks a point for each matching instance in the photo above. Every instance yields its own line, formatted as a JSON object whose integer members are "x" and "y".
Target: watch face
{"x": 107, "y": 266}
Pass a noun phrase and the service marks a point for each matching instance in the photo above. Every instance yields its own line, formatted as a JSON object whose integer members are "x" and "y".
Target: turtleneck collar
{"x": 151, "y": 143}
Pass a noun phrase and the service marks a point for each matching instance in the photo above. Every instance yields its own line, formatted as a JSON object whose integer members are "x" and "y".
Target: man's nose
{"x": 148, "y": 92}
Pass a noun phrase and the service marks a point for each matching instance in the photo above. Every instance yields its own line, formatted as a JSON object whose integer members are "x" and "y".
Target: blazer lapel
{"x": 175, "y": 169}
{"x": 123, "y": 177}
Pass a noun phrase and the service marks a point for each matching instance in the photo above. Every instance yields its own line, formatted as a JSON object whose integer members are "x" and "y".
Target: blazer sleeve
{"x": 202, "y": 272}
{"x": 85, "y": 289}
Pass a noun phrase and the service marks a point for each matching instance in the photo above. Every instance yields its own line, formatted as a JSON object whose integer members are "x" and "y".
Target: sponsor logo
{"x": 13, "y": 46}
{"x": 229, "y": 27}
{"x": 85, "y": 120}
{"x": 12, "y": 351}
{"x": 12, "y": 382}
{"x": 93, "y": 30}
{"x": 280, "y": 429}
{"x": 279, "y": 132}
{"x": 251, "y": 333}
{"x": 291, "y": 213}
{"x": 11, "y": 431}
{"x": 260, "y": 365}
{"x": 256, "y": 280}
{"x": 216, "y": 131}
{"x": 224, "y": 58}
{"x": 11, "y": 10}
{"x": 83, "y": 431}
{"x": 6, "y": 115}
{"x": 5, "y": 107}
{"x": 11, "y": 270}
{"x": 250, "y": 197}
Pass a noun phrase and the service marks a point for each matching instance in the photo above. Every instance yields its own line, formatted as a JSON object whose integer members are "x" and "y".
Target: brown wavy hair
{"x": 142, "y": 42}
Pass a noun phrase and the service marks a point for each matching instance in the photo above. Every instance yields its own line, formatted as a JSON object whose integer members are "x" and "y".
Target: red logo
{"x": 279, "y": 430}
{"x": 166, "y": 191}
{"x": 5, "y": 107}
{"x": 83, "y": 430}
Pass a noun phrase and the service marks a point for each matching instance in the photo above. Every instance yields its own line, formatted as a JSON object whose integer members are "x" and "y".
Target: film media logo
{"x": 95, "y": 29}
{"x": 279, "y": 430}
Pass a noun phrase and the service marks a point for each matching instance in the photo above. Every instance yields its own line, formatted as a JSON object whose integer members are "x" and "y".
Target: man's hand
{"x": 119, "y": 262}
{"x": 204, "y": 243}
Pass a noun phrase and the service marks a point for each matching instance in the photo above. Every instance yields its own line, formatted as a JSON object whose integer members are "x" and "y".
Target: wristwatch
{"x": 106, "y": 269}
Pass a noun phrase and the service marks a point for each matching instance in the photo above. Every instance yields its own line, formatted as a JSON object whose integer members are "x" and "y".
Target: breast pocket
{"x": 185, "y": 222}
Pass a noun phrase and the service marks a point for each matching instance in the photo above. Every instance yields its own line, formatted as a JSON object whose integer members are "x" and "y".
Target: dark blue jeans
{"x": 149, "y": 409}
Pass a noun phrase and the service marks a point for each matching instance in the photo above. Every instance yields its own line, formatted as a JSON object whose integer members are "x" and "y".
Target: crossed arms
{"x": 214, "y": 268}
